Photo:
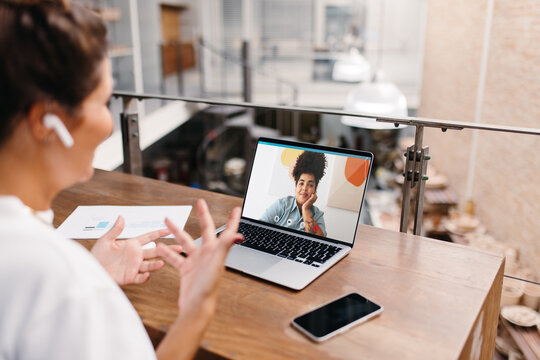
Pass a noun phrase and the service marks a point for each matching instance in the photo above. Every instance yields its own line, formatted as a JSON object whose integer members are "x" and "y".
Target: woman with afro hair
{"x": 298, "y": 212}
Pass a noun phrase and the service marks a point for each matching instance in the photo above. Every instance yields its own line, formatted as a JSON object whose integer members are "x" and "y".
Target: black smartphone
{"x": 335, "y": 317}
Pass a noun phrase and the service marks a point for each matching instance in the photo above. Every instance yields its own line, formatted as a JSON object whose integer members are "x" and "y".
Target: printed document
{"x": 92, "y": 222}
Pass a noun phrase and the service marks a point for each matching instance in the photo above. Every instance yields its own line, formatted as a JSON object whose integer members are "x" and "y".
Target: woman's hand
{"x": 309, "y": 202}
{"x": 125, "y": 260}
{"x": 201, "y": 269}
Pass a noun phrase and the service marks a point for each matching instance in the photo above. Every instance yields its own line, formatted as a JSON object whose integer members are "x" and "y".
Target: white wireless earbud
{"x": 53, "y": 122}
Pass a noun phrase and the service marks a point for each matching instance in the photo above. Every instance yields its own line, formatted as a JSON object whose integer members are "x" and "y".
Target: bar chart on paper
{"x": 92, "y": 222}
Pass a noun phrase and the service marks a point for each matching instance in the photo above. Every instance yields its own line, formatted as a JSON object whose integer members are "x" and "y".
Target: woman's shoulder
{"x": 288, "y": 199}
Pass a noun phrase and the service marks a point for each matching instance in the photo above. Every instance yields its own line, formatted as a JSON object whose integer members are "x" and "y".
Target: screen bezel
{"x": 323, "y": 148}
{"x": 348, "y": 325}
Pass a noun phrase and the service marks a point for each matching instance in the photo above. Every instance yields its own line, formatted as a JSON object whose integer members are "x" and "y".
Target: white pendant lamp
{"x": 377, "y": 97}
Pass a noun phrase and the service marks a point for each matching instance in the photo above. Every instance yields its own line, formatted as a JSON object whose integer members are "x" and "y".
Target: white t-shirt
{"x": 56, "y": 301}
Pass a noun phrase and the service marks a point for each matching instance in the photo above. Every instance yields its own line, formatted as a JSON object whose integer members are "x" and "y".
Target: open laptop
{"x": 279, "y": 246}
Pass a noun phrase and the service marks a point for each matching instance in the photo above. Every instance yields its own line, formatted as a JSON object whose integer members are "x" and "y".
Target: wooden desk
{"x": 441, "y": 300}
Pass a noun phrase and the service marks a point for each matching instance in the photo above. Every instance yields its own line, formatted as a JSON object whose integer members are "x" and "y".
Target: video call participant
{"x": 57, "y": 300}
{"x": 298, "y": 212}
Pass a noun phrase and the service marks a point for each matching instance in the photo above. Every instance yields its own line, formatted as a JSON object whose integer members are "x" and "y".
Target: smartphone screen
{"x": 336, "y": 316}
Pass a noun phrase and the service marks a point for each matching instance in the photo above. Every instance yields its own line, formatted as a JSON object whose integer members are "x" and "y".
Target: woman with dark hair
{"x": 298, "y": 212}
{"x": 57, "y": 301}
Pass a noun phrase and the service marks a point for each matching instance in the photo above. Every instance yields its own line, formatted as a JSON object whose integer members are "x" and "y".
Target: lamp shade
{"x": 375, "y": 98}
{"x": 351, "y": 67}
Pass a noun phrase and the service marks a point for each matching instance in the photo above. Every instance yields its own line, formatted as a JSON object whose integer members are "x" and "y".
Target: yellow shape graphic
{"x": 290, "y": 155}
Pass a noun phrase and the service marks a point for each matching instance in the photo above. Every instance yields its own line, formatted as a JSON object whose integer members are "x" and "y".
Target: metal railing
{"x": 417, "y": 155}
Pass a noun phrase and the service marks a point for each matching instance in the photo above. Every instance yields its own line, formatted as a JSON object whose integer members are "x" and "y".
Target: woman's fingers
{"x": 171, "y": 257}
{"x": 234, "y": 220}
{"x": 238, "y": 238}
{"x": 153, "y": 235}
{"x": 152, "y": 253}
{"x": 149, "y": 266}
{"x": 141, "y": 278}
{"x": 115, "y": 230}
{"x": 208, "y": 228}
{"x": 182, "y": 237}
{"x": 176, "y": 248}
{"x": 230, "y": 234}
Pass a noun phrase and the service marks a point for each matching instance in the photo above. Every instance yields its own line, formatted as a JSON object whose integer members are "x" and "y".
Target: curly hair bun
{"x": 310, "y": 162}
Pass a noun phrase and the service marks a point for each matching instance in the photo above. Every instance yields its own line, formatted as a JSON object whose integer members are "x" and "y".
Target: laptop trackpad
{"x": 250, "y": 261}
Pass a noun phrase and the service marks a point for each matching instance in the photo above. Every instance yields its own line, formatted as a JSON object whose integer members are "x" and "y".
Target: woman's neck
{"x": 26, "y": 179}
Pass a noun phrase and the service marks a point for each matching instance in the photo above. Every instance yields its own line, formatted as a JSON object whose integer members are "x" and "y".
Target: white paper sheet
{"x": 91, "y": 222}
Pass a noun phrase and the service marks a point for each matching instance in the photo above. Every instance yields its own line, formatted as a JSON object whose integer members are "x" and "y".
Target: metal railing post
{"x": 129, "y": 121}
{"x": 246, "y": 72}
{"x": 201, "y": 67}
{"x": 416, "y": 159}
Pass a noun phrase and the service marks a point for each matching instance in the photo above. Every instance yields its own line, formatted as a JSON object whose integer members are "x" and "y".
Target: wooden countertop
{"x": 440, "y": 300}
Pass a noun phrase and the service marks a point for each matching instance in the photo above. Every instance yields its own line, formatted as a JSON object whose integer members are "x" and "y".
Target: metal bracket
{"x": 416, "y": 159}
{"x": 421, "y": 162}
{"x": 129, "y": 121}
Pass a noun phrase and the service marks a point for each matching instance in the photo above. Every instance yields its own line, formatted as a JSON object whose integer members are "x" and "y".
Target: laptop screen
{"x": 307, "y": 188}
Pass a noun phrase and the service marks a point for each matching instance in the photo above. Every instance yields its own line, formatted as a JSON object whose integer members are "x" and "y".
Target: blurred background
{"x": 472, "y": 61}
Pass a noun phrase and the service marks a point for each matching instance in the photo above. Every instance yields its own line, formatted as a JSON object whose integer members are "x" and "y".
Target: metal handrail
{"x": 413, "y": 121}
{"x": 416, "y": 157}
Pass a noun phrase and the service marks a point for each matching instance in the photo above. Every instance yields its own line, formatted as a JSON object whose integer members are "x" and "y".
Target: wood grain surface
{"x": 436, "y": 295}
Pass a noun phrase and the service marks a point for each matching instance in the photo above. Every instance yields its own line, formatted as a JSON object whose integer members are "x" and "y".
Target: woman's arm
{"x": 310, "y": 224}
{"x": 183, "y": 338}
{"x": 199, "y": 272}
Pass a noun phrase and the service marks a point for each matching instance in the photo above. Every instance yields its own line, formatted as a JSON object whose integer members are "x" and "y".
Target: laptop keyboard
{"x": 287, "y": 246}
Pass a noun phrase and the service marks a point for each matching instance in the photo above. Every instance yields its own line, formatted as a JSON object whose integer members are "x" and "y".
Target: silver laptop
{"x": 300, "y": 212}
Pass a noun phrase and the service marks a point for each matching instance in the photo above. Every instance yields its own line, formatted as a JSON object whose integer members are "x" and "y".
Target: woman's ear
{"x": 40, "y": 129}
{"x": 34, "y": 118}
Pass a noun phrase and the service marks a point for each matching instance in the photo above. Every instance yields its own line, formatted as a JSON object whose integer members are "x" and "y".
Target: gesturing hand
{"x": 125, "y": 260}
{"x": 203, "y": 266}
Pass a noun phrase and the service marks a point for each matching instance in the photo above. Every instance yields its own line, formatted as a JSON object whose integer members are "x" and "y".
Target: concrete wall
{"x": 507, "y": 173}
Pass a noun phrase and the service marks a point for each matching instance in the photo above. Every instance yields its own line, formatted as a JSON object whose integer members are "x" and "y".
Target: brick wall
{"x": 507, "y": 173}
